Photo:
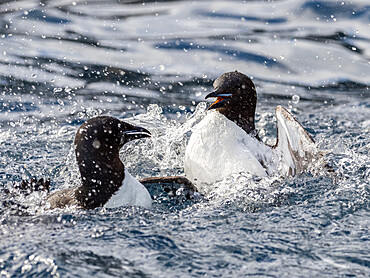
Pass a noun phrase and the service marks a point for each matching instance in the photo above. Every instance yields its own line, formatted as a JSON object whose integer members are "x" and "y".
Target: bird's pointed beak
{"x": 135, "y": 132}
{"x": 220, "y": 101}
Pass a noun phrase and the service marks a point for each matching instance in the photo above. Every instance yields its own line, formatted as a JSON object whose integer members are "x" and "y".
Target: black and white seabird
{"x": 226, "y": 141}
{"x": 104, "y": 179}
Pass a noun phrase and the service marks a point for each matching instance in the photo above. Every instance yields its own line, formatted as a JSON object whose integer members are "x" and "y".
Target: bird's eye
{"x": 96, "y": 144}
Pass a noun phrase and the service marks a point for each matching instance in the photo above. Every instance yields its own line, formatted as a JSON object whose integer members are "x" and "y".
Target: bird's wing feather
{"x": 295, "y": 147}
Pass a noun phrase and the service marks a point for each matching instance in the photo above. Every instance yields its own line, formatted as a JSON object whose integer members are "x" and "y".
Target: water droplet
{"x": 33, "y": 75}
{"x": 295, "y": 99}
{"x": 57, "y": 90}
{"x": 60, "y": 102}
{"x": 161, "y": 67}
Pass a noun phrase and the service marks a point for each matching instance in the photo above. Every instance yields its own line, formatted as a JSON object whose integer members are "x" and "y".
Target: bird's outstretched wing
{"x": 295, "y": 148}
{"x": 172, "y": 185}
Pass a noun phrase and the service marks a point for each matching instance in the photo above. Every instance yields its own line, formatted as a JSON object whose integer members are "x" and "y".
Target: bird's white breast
{"x": 218, "y": 148}
{"x": 132, "y": 192}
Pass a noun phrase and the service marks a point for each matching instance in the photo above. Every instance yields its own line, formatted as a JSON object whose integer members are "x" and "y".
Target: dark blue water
{"x": 152, "y": 63}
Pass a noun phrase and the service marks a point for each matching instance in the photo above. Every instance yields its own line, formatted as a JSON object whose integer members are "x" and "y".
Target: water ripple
{"x": 152, "y": 63}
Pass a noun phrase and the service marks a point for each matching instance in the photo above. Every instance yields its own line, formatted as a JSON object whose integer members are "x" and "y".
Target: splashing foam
{"x": 163, "y": 155}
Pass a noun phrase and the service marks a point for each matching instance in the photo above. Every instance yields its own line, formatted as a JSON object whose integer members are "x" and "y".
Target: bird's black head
{"x": 103, "y": 137}
{"x": 236, "y": 98}
{"x": 97, "y": 144}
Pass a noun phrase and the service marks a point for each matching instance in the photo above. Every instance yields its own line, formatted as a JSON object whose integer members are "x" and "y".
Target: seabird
{"x": 104, "y": 179}
{"x": 226, "y": 141}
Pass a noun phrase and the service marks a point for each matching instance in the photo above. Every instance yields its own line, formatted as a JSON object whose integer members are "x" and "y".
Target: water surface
{"x": 152, "y": 63}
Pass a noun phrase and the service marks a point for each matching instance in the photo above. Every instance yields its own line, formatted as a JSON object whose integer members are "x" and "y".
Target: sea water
{"x": 152, "y": 63}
